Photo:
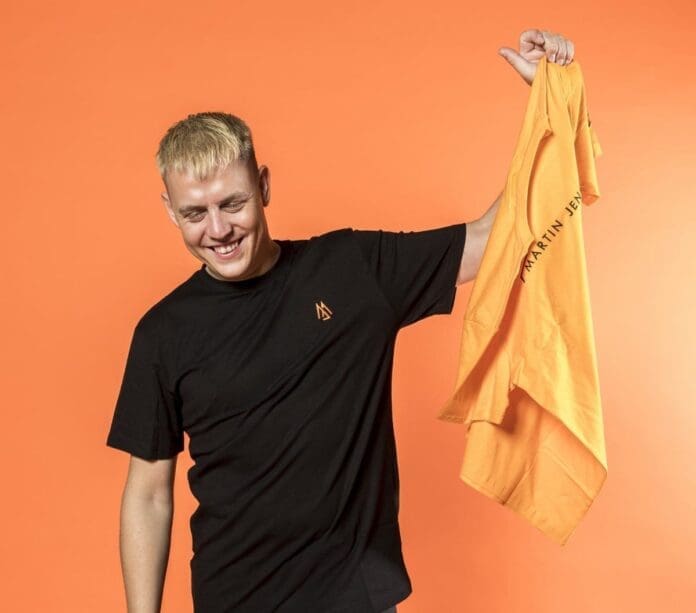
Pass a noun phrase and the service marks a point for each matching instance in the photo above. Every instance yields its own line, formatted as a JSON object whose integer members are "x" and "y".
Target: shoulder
{"x": 339, "y": 240}
{"x": 331, "y": 236}
{"x": 159, "y": 318}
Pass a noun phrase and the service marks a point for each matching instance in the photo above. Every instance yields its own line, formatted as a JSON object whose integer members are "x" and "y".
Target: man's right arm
{"x": 147, "y": 509}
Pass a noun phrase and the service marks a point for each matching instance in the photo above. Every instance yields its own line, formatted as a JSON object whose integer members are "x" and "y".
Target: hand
{"x": 534, "y": 44}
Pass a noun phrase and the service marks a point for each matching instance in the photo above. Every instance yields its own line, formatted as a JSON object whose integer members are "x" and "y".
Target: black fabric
{"x": 283, "y": 384}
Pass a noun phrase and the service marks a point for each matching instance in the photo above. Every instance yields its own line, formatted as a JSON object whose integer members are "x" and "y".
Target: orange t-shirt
{"x": 527, "y": 387}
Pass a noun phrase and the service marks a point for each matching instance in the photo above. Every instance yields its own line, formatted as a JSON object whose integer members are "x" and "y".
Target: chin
{"x": 229, "y": 270}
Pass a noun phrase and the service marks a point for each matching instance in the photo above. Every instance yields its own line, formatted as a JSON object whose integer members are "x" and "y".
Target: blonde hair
{"x": 205, "y": 142}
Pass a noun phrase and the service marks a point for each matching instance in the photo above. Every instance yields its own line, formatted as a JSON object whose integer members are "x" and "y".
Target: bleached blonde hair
{"x": 205, "y": 142}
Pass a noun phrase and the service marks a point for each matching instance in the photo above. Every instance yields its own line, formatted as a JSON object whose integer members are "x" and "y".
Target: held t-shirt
{"x": 528, "y": 385}
{"x": 283, "y": 384}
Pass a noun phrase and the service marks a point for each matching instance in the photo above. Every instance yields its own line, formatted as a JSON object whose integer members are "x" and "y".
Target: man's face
{"x": 225, "y": 208}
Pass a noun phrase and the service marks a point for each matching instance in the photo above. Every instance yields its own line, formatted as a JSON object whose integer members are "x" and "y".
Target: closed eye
{"x": 198, "y": 215}
{"x": 234, "y": 205}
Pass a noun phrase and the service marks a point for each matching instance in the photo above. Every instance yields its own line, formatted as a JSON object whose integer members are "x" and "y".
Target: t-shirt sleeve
{"x": 417, "y": 270}
{"x": 587, "y": 146}
{"x": 146, "y": 421}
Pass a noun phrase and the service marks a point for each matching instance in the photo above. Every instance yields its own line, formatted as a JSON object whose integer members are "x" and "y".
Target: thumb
{"x": 522, "y": 66}
{"x": 512, "y": 56}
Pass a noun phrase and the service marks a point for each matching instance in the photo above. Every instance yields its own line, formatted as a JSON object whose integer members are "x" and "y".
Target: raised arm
{"x": 533, "y": 45}
{"x": 477, "y": 233}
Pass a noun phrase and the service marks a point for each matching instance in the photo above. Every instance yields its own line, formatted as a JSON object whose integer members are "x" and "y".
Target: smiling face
{"x": 225, "y": 208}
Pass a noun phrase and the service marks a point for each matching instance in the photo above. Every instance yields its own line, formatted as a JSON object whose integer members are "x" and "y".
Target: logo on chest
{"x": 323, "y": 311}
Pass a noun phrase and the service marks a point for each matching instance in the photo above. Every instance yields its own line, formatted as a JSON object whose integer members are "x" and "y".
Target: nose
{"x": 217, "y": 227}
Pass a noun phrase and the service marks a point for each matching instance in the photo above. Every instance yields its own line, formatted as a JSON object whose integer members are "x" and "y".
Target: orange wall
{"x": 392, "y": 115}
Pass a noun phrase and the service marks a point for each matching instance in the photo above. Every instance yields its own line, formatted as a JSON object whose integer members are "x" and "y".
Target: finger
{"x": 548, "y": 41}
{"x": 566, "y": 57}
{"x": 571, "y": 51}
{"x": 539, "y": 37}
{"x": 559, "y": 48}
{"x": 552, "y": 48}
{"x": 540, "y": 40}
{"x": 562, "y": 52}
{"x": 530, "y": 40}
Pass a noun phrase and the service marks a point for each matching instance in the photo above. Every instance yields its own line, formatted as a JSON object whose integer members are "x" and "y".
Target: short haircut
{"x": 205, "y": 142}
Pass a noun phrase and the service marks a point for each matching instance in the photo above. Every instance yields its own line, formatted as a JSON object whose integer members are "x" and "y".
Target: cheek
{"x": 246, "y": 220}
{"x": 192, "y": 234}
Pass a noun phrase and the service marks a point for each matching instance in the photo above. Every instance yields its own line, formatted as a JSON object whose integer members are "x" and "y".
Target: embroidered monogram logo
{"x": 323, "y": 312}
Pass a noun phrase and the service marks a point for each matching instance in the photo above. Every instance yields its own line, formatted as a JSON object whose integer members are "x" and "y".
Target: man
{"x": 275, "y": 357}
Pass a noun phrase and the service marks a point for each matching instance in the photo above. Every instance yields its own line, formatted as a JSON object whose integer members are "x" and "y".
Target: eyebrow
{"x": 190, "y": 208}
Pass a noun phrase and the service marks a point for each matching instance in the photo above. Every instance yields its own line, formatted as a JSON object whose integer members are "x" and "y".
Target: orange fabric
{"x": 527, "y": 387}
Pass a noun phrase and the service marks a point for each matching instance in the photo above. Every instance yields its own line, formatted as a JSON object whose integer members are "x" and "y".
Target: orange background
{"x": 393, "y": 115}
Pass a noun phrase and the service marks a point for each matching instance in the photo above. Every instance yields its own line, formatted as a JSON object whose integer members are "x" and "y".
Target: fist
{"x": 534, "y": 44}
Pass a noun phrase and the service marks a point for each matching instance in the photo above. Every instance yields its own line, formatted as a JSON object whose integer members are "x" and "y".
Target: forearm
{"x": 145, "y": 537}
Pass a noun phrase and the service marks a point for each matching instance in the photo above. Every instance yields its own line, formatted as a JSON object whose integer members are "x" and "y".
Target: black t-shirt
{"x": 283, "y": 384}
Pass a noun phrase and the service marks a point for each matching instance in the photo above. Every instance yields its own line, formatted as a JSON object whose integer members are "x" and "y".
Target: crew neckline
{"x": 253, "y": 283}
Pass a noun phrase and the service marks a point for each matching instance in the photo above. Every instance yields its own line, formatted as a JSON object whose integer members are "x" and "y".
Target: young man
{"x": 275, "y": 357}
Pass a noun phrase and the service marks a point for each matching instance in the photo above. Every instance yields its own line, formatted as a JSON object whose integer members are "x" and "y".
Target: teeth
{"x": 227, "y": 248}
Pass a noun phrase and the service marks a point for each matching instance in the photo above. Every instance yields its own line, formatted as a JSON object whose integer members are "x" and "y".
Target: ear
{"x": 170, "y": 209}
{"x": 265, "y": 184}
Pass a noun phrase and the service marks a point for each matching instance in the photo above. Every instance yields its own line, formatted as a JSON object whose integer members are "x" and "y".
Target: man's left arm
{"x": 477, "y": 233}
